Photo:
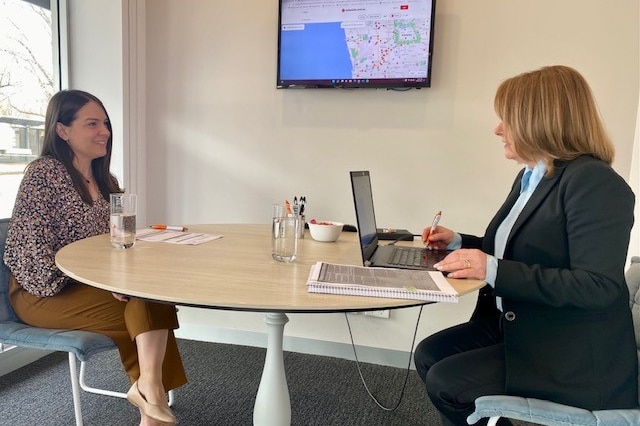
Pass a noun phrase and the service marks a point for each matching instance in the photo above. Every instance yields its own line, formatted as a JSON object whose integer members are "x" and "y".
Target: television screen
{"x": 355, "y": 43}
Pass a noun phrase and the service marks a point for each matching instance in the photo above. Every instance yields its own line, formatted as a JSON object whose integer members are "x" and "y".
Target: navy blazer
{"x": 568, "y": 330}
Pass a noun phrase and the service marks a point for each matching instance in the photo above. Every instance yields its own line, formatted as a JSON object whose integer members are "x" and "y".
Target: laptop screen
{"x": 365, "y": 216}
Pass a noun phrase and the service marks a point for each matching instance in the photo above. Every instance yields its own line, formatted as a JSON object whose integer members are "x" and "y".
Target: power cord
{"x": 406, "y": 377}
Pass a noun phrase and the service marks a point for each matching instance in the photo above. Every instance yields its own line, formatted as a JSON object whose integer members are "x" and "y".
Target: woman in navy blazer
{"x": 553, "y": 321}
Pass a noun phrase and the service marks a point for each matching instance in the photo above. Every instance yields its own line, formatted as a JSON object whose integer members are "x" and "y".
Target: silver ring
{"x": 467, "y": 263}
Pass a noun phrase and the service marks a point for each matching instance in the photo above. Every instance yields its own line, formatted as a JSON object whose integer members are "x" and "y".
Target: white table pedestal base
{"x": 273, "y": 406}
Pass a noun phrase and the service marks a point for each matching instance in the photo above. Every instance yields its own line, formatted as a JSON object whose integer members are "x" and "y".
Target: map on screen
{"x": 355, "y": 41}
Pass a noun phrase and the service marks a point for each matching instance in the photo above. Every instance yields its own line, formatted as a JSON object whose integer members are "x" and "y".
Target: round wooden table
{"x": 234, "y": 272}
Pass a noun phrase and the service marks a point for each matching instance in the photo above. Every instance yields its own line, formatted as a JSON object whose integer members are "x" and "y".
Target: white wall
{"x": 96, "y": 61}
{"x": 222, "y": 143}
{"x": 634, "y": 245}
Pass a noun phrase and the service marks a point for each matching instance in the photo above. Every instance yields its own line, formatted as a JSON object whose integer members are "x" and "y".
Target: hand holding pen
{"x": 436, "y": 237}
{"x": 432, "y": 228}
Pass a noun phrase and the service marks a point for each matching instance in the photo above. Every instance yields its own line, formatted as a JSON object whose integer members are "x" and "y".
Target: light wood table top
{"x": 234, "y": 272}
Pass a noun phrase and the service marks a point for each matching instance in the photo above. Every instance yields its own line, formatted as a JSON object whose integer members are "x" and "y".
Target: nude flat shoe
{"x": 156, "y": 412}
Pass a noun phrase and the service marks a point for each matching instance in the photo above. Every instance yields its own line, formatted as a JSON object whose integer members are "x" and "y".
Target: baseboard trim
{"x": 17, "y": 357}
{"x": 368, "y": 354}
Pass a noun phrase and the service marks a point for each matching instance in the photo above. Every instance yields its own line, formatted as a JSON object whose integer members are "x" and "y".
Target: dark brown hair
{"x": 63, "y": 108}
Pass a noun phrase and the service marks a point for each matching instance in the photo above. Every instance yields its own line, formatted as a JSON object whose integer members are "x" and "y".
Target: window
{"x": 31, "y": 32}
{"x": 29, "y": 75}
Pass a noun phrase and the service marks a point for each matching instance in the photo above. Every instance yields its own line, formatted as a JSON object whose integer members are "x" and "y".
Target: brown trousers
{"x": 82, "y": 307}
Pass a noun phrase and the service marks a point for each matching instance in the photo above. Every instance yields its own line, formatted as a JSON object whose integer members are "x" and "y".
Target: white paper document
{"x": 380, "y": 282}
{"x": 173, "y": 237}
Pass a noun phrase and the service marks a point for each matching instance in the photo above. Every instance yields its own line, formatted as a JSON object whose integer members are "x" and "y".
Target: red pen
{"x": 169, "y": 227}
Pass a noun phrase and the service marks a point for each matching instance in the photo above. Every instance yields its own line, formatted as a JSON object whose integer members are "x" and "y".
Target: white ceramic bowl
{"x": 325, "y": 230}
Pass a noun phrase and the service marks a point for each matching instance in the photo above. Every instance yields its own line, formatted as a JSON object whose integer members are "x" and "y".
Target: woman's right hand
{"x": 439, "y": 239}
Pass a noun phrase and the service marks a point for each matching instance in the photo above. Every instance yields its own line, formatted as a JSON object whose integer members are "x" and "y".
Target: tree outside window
{"x": 26, "y": 85}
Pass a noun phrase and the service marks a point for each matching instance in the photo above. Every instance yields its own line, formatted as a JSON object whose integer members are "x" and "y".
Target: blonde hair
{"x": 550, "y": 114}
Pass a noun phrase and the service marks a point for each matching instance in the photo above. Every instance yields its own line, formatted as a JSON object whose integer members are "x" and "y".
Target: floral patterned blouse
{"x": 48, "y": 214}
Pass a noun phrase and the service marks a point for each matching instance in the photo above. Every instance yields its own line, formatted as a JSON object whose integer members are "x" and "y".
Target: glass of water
{"x": 284, "y": 234}
{"x": 123, "y": 220}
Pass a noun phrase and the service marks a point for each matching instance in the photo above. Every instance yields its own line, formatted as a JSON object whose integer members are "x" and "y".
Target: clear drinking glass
{"x": 284, "y": 234}
{"x": 123, "y": 220}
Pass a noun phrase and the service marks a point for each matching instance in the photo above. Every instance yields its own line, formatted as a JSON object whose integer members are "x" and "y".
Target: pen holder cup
{"x": 301, "y": 225}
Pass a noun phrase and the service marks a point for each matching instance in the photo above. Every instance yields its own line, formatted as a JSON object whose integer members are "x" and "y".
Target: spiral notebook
{"x": 390, "y": 283}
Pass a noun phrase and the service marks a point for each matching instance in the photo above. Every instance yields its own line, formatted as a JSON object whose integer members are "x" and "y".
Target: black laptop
{"x": 388, "y": 255}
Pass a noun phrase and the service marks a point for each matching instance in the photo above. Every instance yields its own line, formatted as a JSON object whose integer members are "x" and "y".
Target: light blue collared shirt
{"x": 530, "y": 180}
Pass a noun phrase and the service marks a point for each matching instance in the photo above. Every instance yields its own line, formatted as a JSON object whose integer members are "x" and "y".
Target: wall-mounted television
{"x": 355, "y": 43}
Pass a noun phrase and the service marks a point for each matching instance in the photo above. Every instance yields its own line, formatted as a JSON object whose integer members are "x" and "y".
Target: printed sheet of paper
{"x": 173, "y": 237}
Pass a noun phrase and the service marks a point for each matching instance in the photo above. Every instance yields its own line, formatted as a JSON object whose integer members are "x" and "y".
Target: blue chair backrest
{"x": 6, "y": 311}
{"x": 633, "y": 281}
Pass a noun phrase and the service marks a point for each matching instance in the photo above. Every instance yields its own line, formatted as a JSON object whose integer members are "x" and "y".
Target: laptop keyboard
{"x": 406, "y": 256}
{"x": 415, "y": 257}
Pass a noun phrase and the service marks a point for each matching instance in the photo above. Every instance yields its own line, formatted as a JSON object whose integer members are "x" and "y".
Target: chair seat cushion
{"x": 83, "y": 344}
{"x": 549, "y": 413}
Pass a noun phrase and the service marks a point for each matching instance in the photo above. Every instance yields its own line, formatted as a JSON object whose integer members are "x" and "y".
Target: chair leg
{"x": 98, "y": 391}
{"x": 87, "y": 388}
{"x": 493, "y": 421}
{"x": 78, "y": 382}
{"x": 75, "y": 389}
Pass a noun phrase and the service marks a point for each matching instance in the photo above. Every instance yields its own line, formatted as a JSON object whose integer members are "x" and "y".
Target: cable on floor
{"x": 406, "y": 377}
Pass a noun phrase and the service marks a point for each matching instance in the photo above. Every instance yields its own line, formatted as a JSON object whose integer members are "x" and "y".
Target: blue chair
{"x": 81, "y": 345}
{"x": 552, "y": 414}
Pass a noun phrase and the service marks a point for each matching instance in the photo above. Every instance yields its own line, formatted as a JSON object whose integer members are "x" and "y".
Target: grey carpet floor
{"x": 223, "y": 381}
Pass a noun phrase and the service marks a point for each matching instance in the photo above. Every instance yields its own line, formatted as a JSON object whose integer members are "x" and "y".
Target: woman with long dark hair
{"x": 64, "y": 197}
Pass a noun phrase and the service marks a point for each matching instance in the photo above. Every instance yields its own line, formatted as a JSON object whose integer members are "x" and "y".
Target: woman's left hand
{"x": 464, "y": 263}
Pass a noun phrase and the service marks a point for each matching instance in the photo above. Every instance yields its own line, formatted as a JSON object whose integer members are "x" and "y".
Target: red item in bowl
{"x": 315, "y": 222}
